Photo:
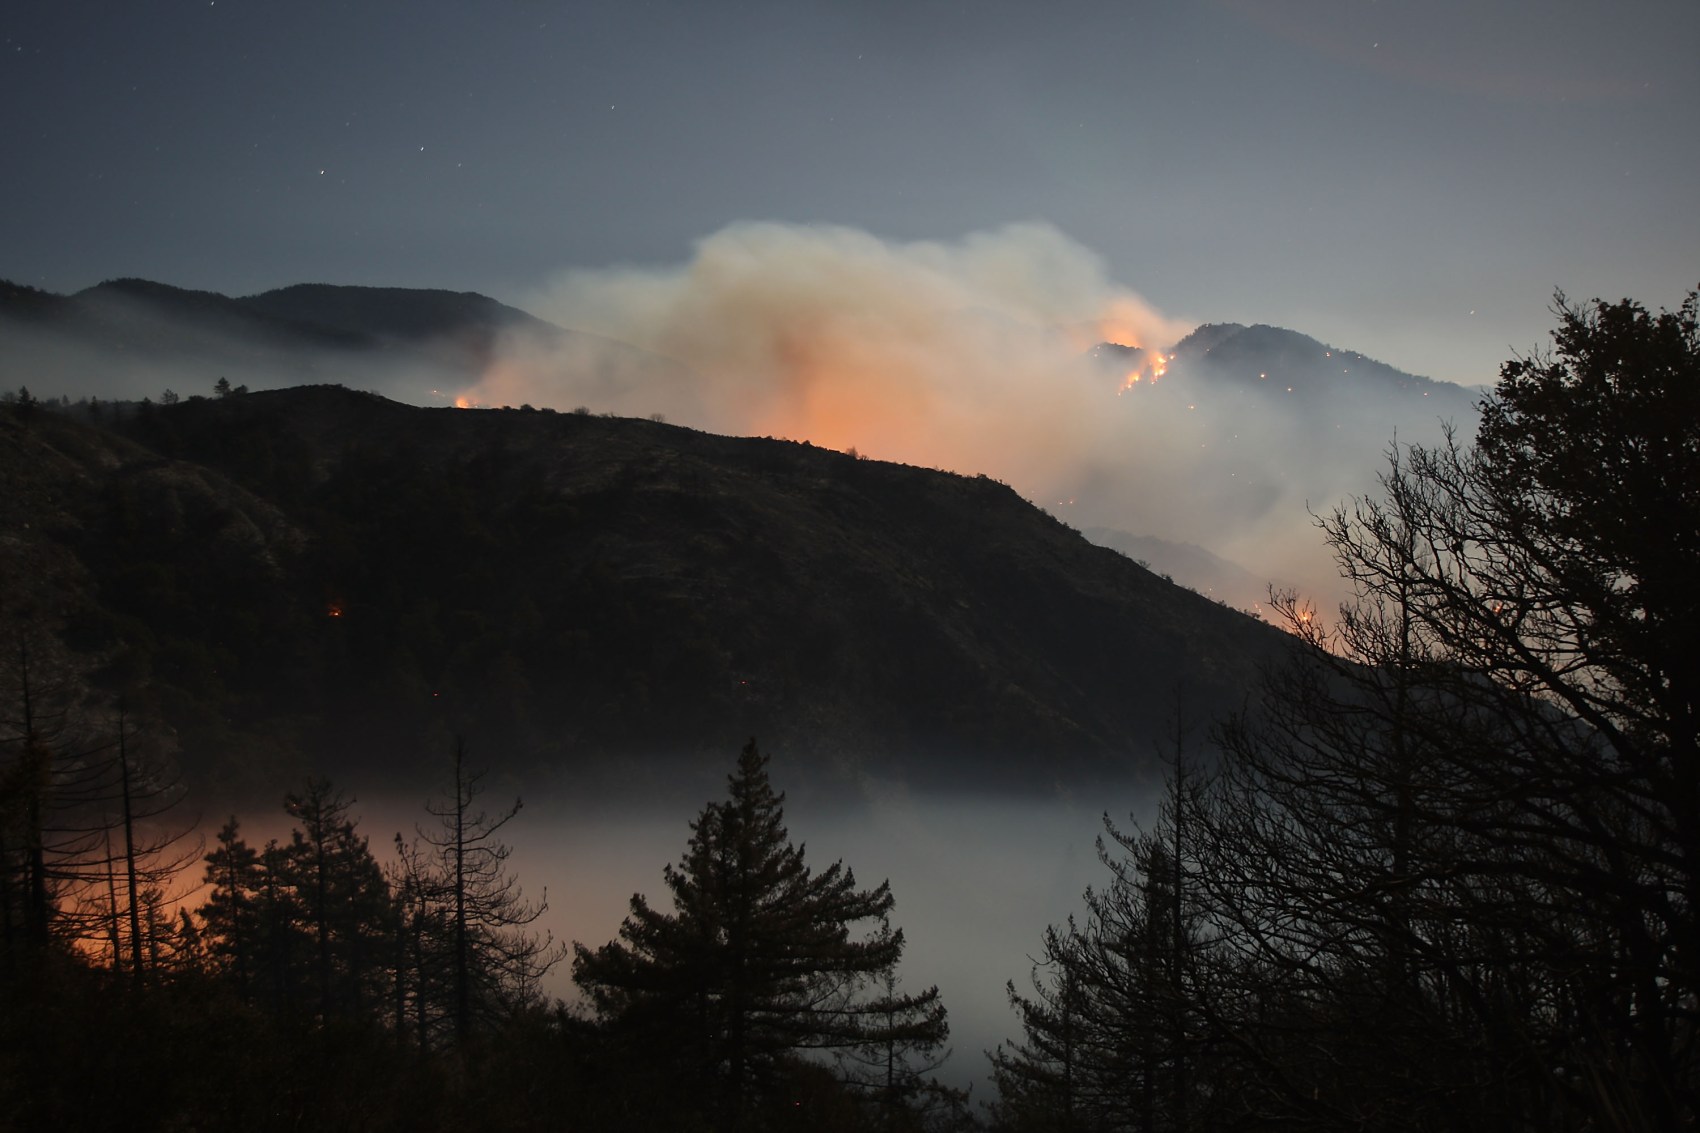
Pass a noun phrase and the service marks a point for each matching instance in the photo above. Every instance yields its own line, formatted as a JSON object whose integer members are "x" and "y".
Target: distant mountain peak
{"x": 1207, "y": 335}
{"x": 398, "y": 312}
{"x": 1238, "y": 354}
{"x": 133, "y": 285}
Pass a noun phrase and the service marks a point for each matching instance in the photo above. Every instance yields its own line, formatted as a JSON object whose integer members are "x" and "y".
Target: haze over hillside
{"x": 1230, "y": 441}
{"x": 1242, "y": 430}
{"x": 132, "y": 338}
{"x": 321, "y": 575}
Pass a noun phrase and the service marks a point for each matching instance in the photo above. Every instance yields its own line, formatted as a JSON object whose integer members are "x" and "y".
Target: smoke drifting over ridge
{"x": 975, "y": 356}
{"x": 969, "y": 356}
{"x": 980, "y": 355}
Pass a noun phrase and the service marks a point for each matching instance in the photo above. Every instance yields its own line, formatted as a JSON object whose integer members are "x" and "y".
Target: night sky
{"x": 1411, "y": 180}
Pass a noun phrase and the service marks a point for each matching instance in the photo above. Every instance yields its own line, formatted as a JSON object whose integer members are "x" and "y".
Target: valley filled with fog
{"x": 977, "y": 879}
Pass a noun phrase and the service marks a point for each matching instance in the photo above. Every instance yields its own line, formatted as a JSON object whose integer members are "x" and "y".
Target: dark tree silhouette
{"x": 27, "y": 799}
{"x": 904, "y": 1047}
{"x": 148, "y": 842}
{"x": 756, "y": 963}
{"x": 492, "y": 963}
{"x": 1366, "y": 946}
{"x": 231, "y": 916}
{"x": 91, "y": 831}
{"x": 1551, "y": 572}
{"x": 1041, "y": 1078}
{"x": 1445, "y": 874}
{"x": 1110, "y": 1032}
{"x": 340, "y": 902}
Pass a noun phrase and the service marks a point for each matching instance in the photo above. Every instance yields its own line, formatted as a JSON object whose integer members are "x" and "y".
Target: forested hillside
{"x": 318, "y": 577}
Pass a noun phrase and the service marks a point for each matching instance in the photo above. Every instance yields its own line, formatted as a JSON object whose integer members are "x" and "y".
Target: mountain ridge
{"x": 320, "y": 573}
{"x": 1283, "y": 419}
{"x": 1233, "y": 348}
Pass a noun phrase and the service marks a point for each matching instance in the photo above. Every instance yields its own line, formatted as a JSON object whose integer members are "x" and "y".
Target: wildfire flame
{"x": 1155, "y": 366}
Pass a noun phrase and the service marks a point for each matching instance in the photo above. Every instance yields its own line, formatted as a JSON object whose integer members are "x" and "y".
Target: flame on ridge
{"x": 1156, "y": 365}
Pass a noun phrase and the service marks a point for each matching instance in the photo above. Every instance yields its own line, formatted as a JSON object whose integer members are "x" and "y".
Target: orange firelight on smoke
{"x": 1151, "y": 372}
{"x": 838, "y": 396}
{"x": 1128, "y": 324}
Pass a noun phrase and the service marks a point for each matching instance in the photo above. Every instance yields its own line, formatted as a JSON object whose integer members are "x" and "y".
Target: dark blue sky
{"x": 1371, "y": 173}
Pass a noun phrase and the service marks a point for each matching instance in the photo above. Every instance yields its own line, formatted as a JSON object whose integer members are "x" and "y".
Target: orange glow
{"x": 846, "y": 394}
{"x": 463, "y": 402}
{"x": 1156, "y": 365}
{"x": 334, "y": 610}
{"x": 1127, "y": 324}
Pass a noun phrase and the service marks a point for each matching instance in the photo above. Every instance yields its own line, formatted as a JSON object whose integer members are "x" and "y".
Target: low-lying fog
{"x": 976, "y": 878}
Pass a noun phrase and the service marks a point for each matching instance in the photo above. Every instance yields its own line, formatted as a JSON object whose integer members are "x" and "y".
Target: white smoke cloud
{"x": 972, "y": 355}
{"x": 965, "y": 355}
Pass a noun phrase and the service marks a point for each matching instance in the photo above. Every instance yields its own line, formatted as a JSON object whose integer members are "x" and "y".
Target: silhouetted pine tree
{"x": 231, "y": 918}
{"x": 1041, "y": 1078}
{"x": 1112, "y": 1033}
{"x": 756, "y": 963}
{"x": 904, "y": 1047}
{"x": 340, "y": 902}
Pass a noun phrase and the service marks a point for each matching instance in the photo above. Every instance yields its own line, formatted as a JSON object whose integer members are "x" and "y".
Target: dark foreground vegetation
{"x": 309, "y": 987}
{"x": 1442, "y": 877}
{"x": 1449, "y": 876}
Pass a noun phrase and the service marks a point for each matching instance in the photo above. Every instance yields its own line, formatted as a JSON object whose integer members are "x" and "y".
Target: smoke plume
{"x": 969, "y": 356}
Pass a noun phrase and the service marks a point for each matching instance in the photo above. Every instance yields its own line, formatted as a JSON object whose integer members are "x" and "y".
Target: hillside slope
{"x": 318, "y": 577}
